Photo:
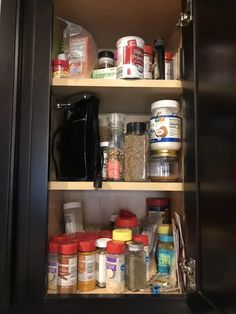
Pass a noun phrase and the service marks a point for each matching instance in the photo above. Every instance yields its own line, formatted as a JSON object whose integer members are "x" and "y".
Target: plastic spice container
{"x": 143, "y": 238}
{"x": 169, "y": 74}
{"x": 164, "y": 166}
{"x": 104, "y": 150}
{"x": 165, "y": 125}
{"x": 130, "y": 223}
{"x": 158, "y": 206}
{"x": 60, "y": 68}
{"x": 136, "y": 147}
{"x": 73, "y": 217}
{"x": 115, "y": 267}
{"x": 124, "y": 235}
{"x": 86, "y": 266}
{"x": 67, "y": 268}
{"x": 148, "y": 62}
{"x": 106, "y": 59}
{"x": 52, "y": 265}
{"x": 136, "y": 267}
{"x": 101, "y": 245}
{"x": 165, "y": 249}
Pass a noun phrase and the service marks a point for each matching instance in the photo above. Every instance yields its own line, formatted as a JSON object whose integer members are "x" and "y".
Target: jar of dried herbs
{"x": 135, "y": 267}
{"x": 136, "y": 147}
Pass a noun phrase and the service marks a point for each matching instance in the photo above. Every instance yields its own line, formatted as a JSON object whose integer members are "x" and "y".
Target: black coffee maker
{"x": 76, "y": 143}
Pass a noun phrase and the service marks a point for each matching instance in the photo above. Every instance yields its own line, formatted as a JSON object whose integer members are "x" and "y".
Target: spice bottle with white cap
{"x": 101, "y": 245}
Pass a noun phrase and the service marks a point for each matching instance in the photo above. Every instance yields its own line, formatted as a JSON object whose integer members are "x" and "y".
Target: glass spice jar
{"x": 136, "y": 148}
{"x": 164, "y": 166}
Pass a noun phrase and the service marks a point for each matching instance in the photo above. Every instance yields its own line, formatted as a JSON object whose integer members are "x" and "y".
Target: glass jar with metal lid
{"x": 164, "y": 166}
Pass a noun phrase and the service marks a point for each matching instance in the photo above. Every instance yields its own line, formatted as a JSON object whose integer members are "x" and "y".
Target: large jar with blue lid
{"x": 165, "y": 249}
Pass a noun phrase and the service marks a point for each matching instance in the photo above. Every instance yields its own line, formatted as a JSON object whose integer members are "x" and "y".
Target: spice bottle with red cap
{"x": 148, "y": 62}
{"x": 67, "y": 268}
{"x": 60, "y": 68}
{"x": 101, "y": 245}
{"x": 52, "y": 265}
{"x": 143, "y": 238}
{"x": 131, "y": 223}
{"x": 86, "y": 265}
{"x": 158, "y": 206}
{"x": 115, "y": 266}
{"x": 169, "y": 74}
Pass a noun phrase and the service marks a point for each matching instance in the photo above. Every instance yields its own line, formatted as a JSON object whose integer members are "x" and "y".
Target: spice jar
{"x": 101, "y": 245}
{"x": 67, "y": 268}
{"x": 148, "y": 62}
{"x": 164, "y": 166}
{"x": 86, "y": 266}
{"x": 115, "y": 157}
{"x": 104, "y": 151}
{"x": 60, "y": 68}
{"x": 130, "y": 223}
{"x": 136, "y": 267}
{"x": 136, "y": 147}
{"x": 73, "y": 217}
{"x": 115, "y": 267}
{"x": 52, "y": 265}
{"x": 165, "y": 125}
{"x": 165, "y": 249}
{"x": 124, "y": 235}
{"x": 169, "y": 73}
{"x": 143, "y": 238}
{"x": 106, "y": 59}
{"x": 159, "y": 207}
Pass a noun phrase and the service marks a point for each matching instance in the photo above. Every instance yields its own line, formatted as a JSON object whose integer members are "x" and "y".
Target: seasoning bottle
{"x": 165, "y": 249}
{"x": 169, "y": 73}
{"x": 67, "y": 268}
{"x": 130, "y": 223}
{"x": 60, "y": 68}
{"x": 159, "y": 59}
{"x": 136, "y": 267}
{"x": 158, "y": 206}
{"x": 124, "y": 235}
{"x": 115, "y": 157}
{"x": 73, "y": 217}
{"x": 115, "y": 267}
{"x": 148, "y": 61}
{"x": 136, "y": 144}
{"x": 143, "y": 238}
{"x": 86, "y": 266}
{"x": 105, "y": 59}
{"x": 101, "y": 245}
{"x": 52, "y": 265}
{"x": 164, "y": 166}
{"x": 104, "y": 151}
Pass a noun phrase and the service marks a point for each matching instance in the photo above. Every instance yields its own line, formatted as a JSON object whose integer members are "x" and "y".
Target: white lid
{"x": 72, "y": 205}
{"x": 104, "y": 144}
{"x": 102, "y": 242}
{"x": 168, "y": 103}
{"x": 61, "y": 56}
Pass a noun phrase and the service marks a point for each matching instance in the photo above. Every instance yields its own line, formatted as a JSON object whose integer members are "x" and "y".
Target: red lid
{"x": 141, "y": 238}
{"x": 91, "y": 235}
{"x": 60, "y": 238}
{"x": 106, "y": 234}
{"x": 148, "y": 49}
{"x": 126, "y": 222}
{"x": 60, "y": 62}
{"x": 68, "y": 248}
{"x": 115, "y": 247}
{"x": 157, "y": 201}
{"x": 53, "y": 247}
{"x": 168, "y": 55}
{"x": 87, "y": 246}
{"x": 125, "y": 213}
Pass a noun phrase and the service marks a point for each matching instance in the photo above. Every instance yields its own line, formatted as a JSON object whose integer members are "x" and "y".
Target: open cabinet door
{"x": 8, "y": 77}
{"x": 216, "y": 109}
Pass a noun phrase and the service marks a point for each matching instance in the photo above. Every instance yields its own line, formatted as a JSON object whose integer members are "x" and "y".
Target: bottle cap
{"x": 136, "y": 128}
{"x": 60, "y": 238}
{"x": 148, "y": 49}
{"x": 122, "y": 235}
{"x": 92, "y": 235}
{"x": 115, "y": 247}
{"x": 72, "y": 205}
{"x": 106, "y": 54}
{"x": 68, "y": 248}
{"x": 152, "y": 201}
{"x": 134, "y": 247}
{"x": 141, "y": 238}
{"x": 102, "y": 242}
{"x": 165, "y": 103}
{"x": 87, "y": 246}
{"x": 53, "y": 247}
{"x": 130, "y": 222}
{"x": 60, "y": 62}
{"x": 168, "y": 55}
{"x": 165, "y": 229}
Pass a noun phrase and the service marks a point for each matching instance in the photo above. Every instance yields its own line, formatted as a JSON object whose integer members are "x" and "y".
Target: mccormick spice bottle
{"x": 67, "y": 268}
{"x": 101, "y": 245}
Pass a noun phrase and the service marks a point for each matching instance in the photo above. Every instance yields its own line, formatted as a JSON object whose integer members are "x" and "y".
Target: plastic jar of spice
{"x": 136, "y": 267}
{"x": 73, "y": 217}
{"x": 67, "y": 268}
{"x": 124, "y": 235}
{"x": 115, "y": 267}
{"x": 143, "y": 238}
{"x": 169, "y": 73}
{"x": 148, "y": 62}
{"x": 86, "y": 266}
{"x": 101, "y": 245}
{"x": 130, "y": 223}
{"x": 164, "y": 166}
{"x": 158, "y": 206}
{"x": 52, "y": 265}
{"x": 60, "y": 68}
{"x": 165, "y": 249}
{"x": 165, "y": 125}
{"x": 136, "y": 147}
{"x": 105, "y": 59}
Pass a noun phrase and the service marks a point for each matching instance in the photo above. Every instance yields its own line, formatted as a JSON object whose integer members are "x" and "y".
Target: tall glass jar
{"x": 136, "y": 146}
{"x": 115, "y": 157}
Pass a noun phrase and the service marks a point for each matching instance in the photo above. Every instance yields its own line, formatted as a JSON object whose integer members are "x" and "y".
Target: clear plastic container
{"x": 73, "y": 217}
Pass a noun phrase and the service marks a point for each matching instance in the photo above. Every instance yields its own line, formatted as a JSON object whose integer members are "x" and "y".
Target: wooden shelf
{"x": 117, "y": 186}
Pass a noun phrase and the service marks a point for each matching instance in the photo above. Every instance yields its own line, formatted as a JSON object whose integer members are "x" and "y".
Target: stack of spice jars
{"x": 165, "y": 140}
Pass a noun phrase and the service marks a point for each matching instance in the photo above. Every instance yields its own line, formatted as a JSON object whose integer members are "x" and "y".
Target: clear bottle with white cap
{"x": 101, "y": 245}
{"x": 73, "y": 217}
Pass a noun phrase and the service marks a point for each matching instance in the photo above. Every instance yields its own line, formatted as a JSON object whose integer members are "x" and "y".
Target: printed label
{"x": 164, "y": 261}
{"x": 147, "y": 68}
{"x": 86, "y": 268}
{"x": 67, "y": 271}
{"x": 165, "y": 128}
{"x": 52, "y": 274}
{"x": 101, "y": 268}
{"x": 115, "y": 269}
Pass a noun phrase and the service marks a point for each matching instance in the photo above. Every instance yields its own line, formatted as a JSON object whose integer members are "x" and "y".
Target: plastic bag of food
{"x": 80, "y": 50}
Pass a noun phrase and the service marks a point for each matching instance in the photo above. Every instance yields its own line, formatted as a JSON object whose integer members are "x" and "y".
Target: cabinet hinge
{"x": 187, "y": 16}
{"x": 189, "y": 268}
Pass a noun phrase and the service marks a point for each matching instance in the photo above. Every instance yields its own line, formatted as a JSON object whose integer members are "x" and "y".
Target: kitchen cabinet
{"x": 207, "y": 170}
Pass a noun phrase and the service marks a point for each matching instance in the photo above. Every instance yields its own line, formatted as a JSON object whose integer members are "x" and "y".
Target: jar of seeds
{"x": 136, "y": 147}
